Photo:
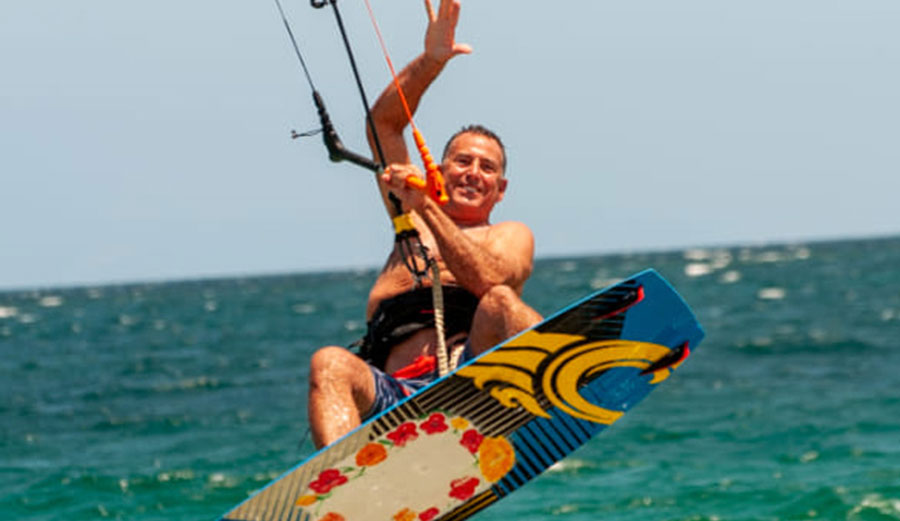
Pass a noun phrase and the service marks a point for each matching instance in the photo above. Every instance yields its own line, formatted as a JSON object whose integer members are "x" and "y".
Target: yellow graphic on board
{"x": 555, "y": 365}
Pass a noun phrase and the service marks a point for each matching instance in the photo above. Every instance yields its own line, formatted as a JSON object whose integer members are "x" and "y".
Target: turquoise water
{"x": 174, "y": 401}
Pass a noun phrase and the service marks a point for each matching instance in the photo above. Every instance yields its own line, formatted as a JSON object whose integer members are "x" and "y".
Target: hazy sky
{"x": 150, "y": 140}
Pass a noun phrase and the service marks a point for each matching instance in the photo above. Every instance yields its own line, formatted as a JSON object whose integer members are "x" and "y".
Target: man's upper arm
{"x": 513, "y": 246}
{"x": 394, "y": 147}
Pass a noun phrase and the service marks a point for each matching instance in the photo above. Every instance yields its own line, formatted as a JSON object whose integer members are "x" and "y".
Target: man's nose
{"x": 474, "y": 168}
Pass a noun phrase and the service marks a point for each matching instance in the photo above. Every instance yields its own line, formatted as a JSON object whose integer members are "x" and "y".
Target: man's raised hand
{"x": 440, "y": 43}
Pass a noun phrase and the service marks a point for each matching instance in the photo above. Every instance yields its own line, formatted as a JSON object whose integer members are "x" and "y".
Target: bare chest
{"x": 396, "y": 277}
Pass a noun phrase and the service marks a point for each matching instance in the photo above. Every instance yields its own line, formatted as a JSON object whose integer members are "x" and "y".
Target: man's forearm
{"x": 389, "y": 116}
{"x": 474, "y": 267}
{"x": 414, "y": 79}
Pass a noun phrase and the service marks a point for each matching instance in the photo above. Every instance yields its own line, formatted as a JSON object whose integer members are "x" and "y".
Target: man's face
{"x": 473, "y": 172}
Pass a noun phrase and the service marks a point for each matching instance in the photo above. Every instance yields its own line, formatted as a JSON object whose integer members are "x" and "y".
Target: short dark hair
{"x": 480, "y": 130}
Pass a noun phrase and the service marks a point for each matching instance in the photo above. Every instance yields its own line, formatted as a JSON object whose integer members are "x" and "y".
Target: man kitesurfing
{"x": 450, "y": 292}
{"x": 483, "y": 266}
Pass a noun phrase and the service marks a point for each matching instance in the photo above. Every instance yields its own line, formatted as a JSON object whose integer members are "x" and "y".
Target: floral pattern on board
{"x": 371, "y": 455}
{"x": 496, "y": 457}
{"x": 471, "y": 439}
{"x": 328, "y": 479}
{"x": 404, "y": 433}
{"x": 463, "y": 488}
{"x": 493, "y": 457}
{"x": 405, "y": 515}
{"x": 434, "y": 424}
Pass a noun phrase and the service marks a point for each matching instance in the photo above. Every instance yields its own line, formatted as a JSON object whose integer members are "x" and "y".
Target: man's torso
{"x": 396, "y": 279}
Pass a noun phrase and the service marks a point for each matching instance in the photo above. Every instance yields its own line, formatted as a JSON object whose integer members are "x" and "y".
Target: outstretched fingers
{"x": 453, "y": 15}
{"x": 452, "y": 10}
{"x": 440, "y": 38}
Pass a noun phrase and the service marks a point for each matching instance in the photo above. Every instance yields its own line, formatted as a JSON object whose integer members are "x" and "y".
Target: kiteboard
{"x": 475, "y": 436}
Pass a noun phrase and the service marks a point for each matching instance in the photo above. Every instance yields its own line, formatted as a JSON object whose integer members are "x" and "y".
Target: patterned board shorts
{"x": 390, "y": 391}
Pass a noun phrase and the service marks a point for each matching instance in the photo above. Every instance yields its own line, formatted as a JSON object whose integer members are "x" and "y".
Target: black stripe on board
{"x": 545, "y": 442}
{"x": 531, "y": 454}
{"x": 470, "y": 507}
{"x": 445, "y": 395}
{"x": 576, "y": 426}
{"x": 511, "y": 481}
{"x": 408, "y": 411}
{"x": 533, "y": 443}
{"x": 480, "y": 407}
{"x": 507, "y": 423}
{"x": 568, "y": 424}
{"x": 554, "y": 436}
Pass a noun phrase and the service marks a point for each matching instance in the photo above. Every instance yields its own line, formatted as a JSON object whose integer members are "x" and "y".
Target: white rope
{"x": 437, "y": 300}
{"x": 456, "y": 354}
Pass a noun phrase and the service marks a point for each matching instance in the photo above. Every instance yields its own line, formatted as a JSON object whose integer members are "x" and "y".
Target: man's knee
{"x": 501, "y": 314}
{"x": 498, "y": 300}
{"x": 341, "y": 389}
{"x": 332, "y": 363}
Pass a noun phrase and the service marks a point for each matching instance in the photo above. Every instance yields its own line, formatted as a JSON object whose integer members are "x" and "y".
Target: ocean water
{"x": 174, "y": 401}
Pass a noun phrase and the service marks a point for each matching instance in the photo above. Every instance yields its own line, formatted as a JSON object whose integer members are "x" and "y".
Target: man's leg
{"x": 341, "y": 390}
{"x": 500, "y": 315}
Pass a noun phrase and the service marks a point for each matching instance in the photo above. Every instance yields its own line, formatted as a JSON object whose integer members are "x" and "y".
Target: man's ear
{"x": 501, "y": 185}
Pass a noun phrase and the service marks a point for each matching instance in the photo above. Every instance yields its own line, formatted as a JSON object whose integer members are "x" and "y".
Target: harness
{"x": 398, "y": 318}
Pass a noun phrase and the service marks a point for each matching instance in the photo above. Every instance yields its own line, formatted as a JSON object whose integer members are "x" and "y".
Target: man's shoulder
{"x": 511, "y": 228}
{"x": 510, "y": 234}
